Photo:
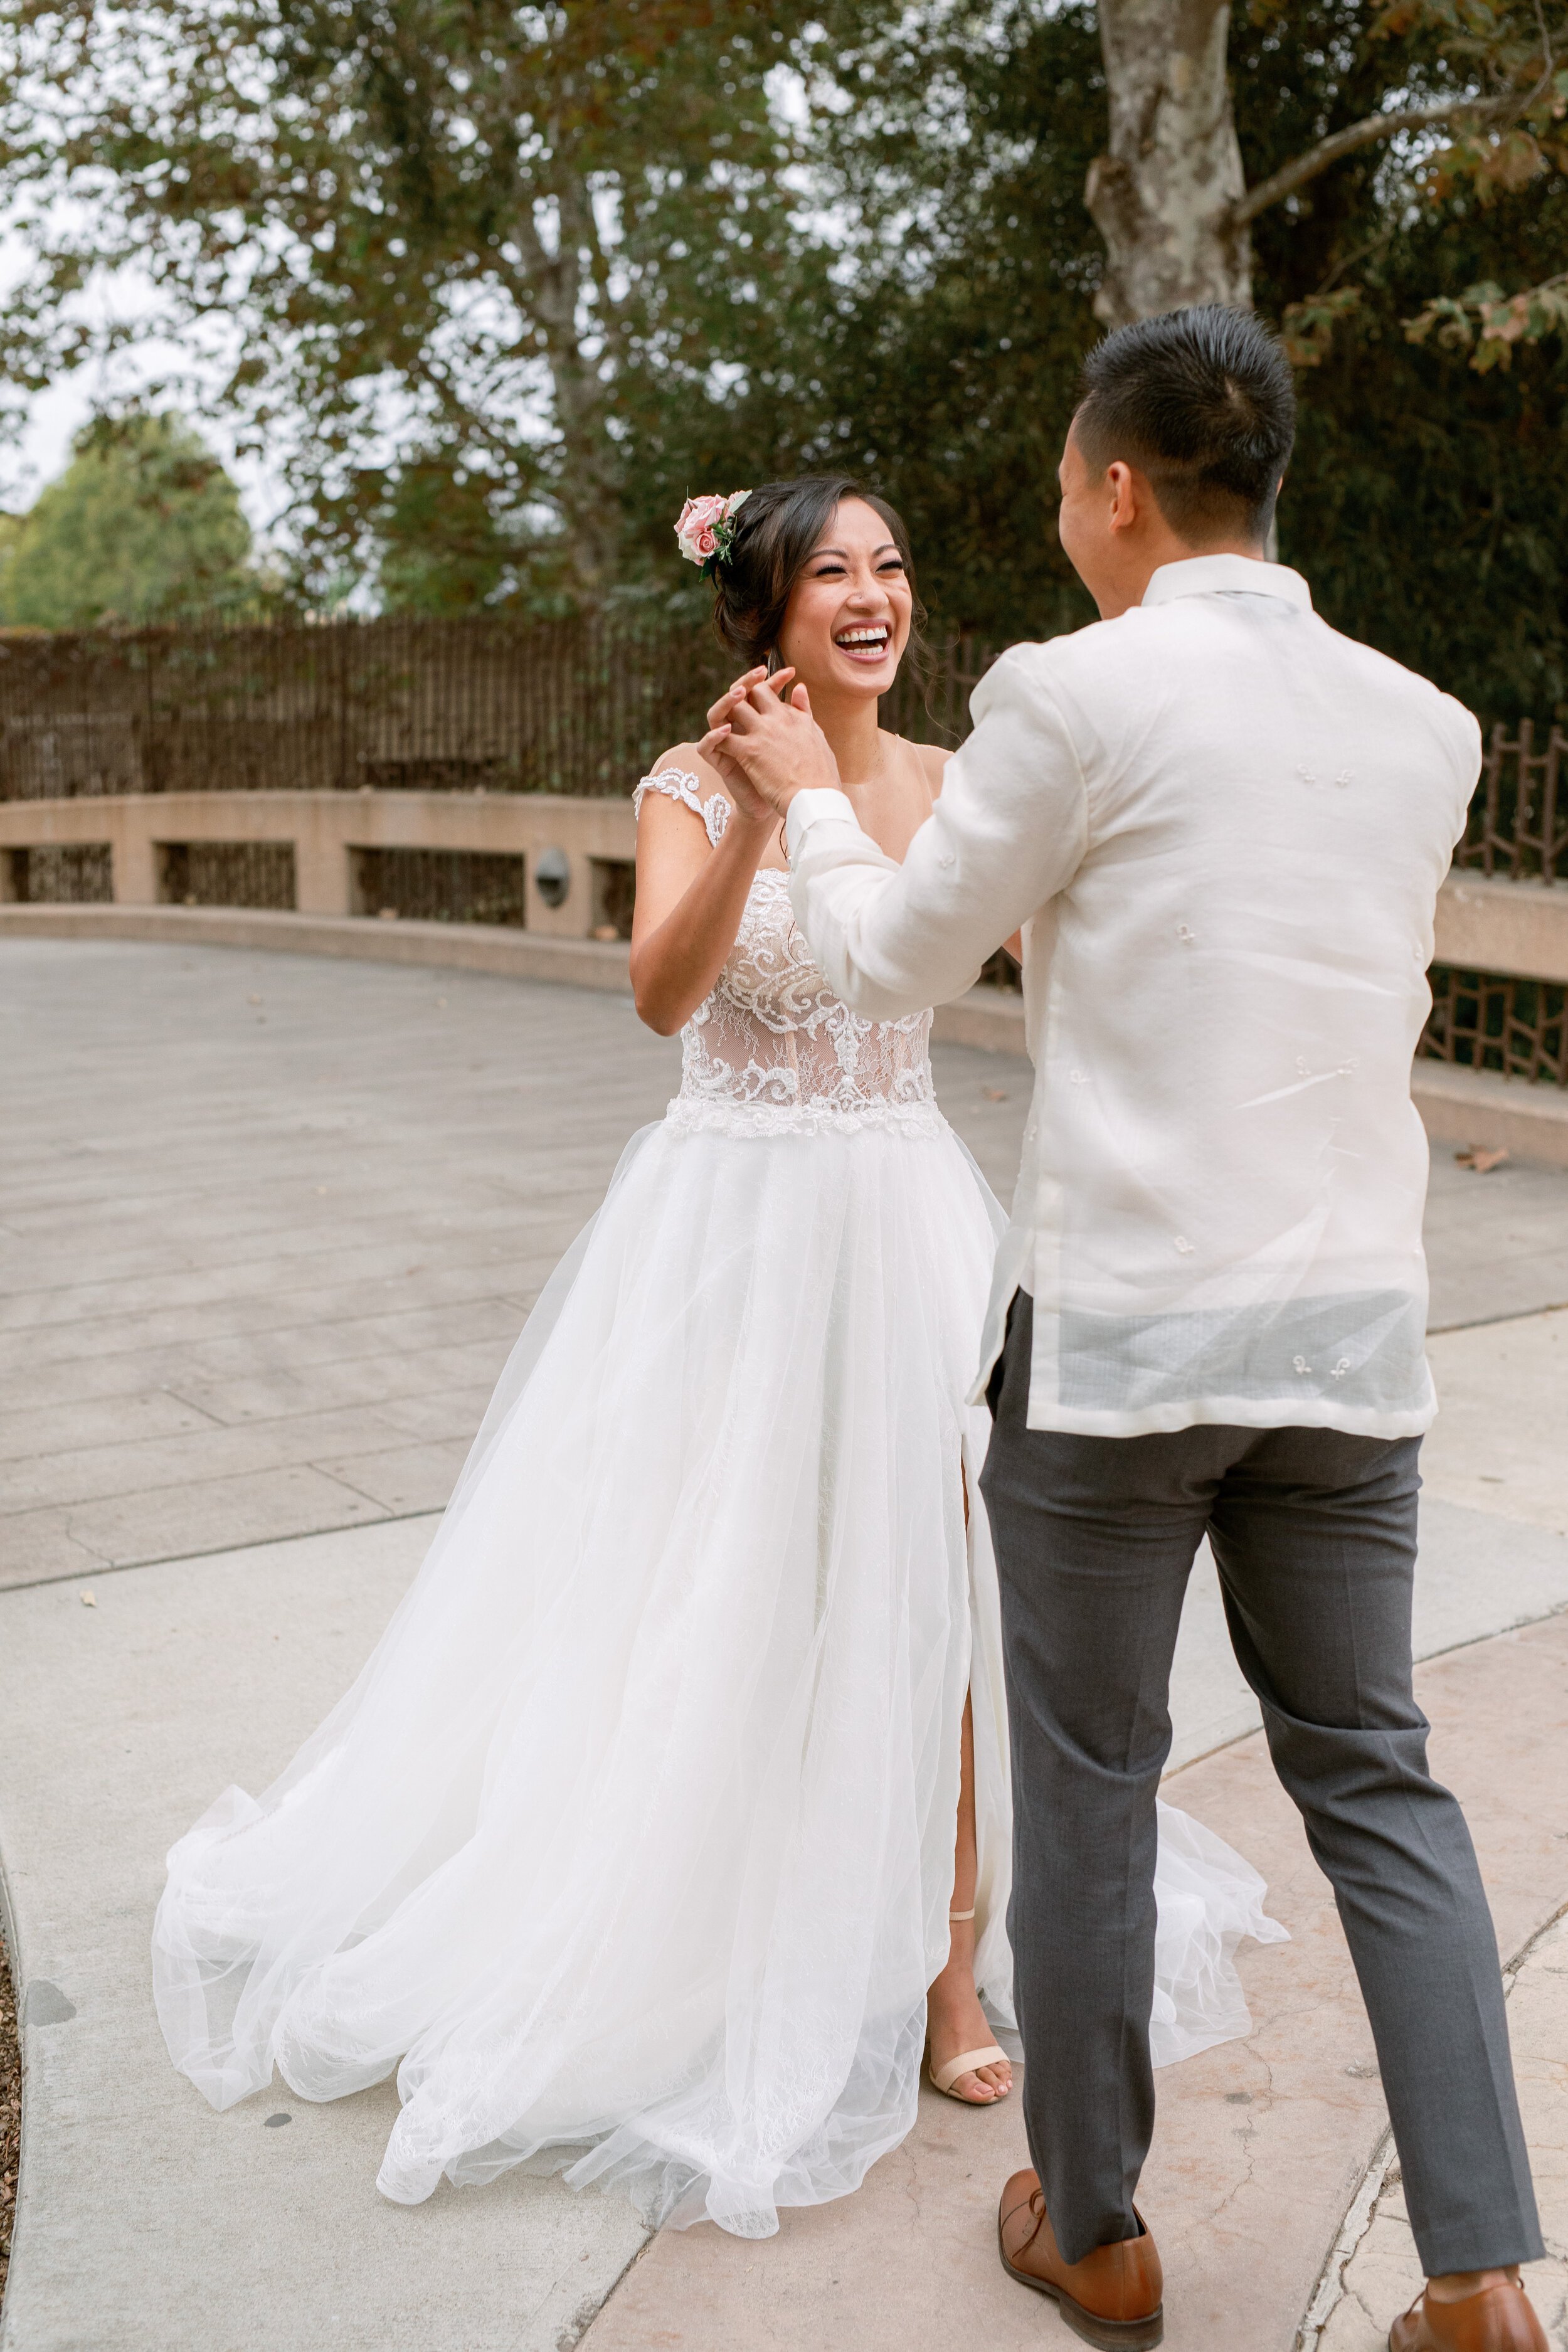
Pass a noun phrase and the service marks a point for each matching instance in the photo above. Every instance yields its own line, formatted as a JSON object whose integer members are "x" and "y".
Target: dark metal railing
{"x": 1496, "y": 1021}
{"x": 1518, "y": 817}
{"x": 69, "y": 873}
{"x": 226, "y": 874}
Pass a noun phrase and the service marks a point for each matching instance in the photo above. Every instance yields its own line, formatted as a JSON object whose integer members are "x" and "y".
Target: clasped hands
{"x": 768, "y": 748}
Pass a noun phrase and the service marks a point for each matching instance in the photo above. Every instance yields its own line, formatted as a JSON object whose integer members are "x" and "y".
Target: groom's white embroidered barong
{"x": 1218, "y": 1212}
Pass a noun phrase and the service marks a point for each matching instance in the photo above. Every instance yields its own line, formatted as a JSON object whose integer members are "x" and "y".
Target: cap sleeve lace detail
{"x": 680, "y": 784}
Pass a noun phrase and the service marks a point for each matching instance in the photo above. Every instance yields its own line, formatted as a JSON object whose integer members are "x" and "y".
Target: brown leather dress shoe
{"x": 1112, "y": 2298}
{"x": 1497, "y": 2319}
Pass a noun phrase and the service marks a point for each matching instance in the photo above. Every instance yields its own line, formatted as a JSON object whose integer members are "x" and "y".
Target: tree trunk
{"x": 588, "y": 493}
{"x": 1162, "y": 197}
{"x": 588, "y": 490}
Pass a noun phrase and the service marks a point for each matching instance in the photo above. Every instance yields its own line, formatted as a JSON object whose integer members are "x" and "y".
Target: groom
{"x": 1221, "y": 827}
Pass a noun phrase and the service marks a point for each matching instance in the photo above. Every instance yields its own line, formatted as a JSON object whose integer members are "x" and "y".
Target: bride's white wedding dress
{"x": 632, "y": 1846}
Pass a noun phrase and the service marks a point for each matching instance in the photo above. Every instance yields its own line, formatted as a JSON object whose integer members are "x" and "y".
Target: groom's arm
{"x": 1008, "y": 832}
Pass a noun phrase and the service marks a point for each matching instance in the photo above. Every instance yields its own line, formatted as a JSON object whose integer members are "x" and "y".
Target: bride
{"x": 669, "y": 1817}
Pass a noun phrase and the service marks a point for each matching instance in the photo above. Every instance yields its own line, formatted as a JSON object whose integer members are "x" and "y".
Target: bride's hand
{"x": 749, "y": 803}
{"x": 719, "y": 712}
{"x": 714, "y": 746}
{"x": 772, "y": 749}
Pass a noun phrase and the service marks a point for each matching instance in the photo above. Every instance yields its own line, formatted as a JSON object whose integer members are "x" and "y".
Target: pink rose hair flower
{"x": 705, "y": 528}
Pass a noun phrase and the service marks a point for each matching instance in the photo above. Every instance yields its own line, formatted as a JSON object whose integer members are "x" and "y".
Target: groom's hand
{"x": 767, "y": 749}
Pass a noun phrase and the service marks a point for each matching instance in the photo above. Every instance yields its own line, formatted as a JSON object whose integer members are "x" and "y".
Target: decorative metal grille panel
{"x": 1518, "y": 817}
{"x": 1492, "y": 1020}
{"x": 439, "y": 886}
{"x": 615, "y": 883}
{"x": 226, "y": 873}
{"x": 72, "y": 873}
{"x": 999, "y": 971}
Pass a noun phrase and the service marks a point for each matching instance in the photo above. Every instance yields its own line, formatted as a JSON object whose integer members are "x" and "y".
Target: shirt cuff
{"x": 811, "y": 807}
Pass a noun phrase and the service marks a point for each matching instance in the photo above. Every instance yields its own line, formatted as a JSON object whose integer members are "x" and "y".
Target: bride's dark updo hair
{"x": 775, "y": 534}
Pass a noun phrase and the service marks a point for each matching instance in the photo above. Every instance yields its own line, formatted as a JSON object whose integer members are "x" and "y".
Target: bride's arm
{"x": 1008, "y": 832}
{"x": 690, "y": 897}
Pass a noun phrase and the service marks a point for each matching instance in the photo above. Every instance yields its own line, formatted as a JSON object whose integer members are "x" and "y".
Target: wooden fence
{"x": 579, "y": 706}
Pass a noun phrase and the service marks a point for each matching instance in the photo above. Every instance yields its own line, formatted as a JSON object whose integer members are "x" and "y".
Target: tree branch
{"x": 1295, "y": 174}
{"x": 576, "y": 202}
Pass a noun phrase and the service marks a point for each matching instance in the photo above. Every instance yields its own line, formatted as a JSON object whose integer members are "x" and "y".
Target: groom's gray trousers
{"x": 1313, "y": 1532}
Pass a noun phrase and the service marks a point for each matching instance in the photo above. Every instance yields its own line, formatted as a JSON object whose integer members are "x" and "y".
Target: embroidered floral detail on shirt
{"x": 1182, "y": 1243}
{"x": 1301, "y": 1363}
{"x": 1340, "y": 1368}
{"x": 1186, "y": 933}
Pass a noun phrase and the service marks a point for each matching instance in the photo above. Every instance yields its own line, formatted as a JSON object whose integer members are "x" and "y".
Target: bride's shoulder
{"x": 929, "y": 761}
{"x": 682, "y": 775}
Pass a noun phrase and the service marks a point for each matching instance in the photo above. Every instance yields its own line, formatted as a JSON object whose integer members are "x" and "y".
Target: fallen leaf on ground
{"x": 89, "y": 1601}
{"x": 1481, "y": 1158}
{"x": 995, "y": 1094}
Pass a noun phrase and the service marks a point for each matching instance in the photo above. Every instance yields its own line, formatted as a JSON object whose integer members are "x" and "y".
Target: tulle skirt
{"x": 631, "y": 1848}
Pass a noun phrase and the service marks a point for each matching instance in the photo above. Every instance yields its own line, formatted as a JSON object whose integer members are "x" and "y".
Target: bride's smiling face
{"x": 849, "y": 611}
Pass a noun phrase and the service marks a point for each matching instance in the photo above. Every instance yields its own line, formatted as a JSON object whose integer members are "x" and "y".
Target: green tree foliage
{"x": 480, "y": 236}
{"x": 144, "y": 525}
{"x": 1429, "y": 500}
{"x": 957, "y": 139}
{"x": 509, "y": 281}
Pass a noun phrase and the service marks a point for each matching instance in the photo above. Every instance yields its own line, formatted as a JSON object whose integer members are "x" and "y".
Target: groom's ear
{"x": 1129, "y": 494}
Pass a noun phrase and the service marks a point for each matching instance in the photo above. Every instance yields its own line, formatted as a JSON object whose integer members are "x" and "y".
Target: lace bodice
{"x": 773, "y": 1050}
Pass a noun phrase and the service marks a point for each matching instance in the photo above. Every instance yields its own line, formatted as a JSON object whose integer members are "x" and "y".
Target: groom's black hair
{"x": 1202, "y": 402}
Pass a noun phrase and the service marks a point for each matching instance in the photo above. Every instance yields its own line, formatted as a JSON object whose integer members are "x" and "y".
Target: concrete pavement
{"x": 1260, "y": 2144}
{"x": 145, "y": 2220}
{"x": 269, "y": 1228}
{"x": 1380, "y": 2272}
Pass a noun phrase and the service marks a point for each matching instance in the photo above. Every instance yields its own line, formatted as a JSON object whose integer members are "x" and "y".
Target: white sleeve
{"x": 1008, "y": 832}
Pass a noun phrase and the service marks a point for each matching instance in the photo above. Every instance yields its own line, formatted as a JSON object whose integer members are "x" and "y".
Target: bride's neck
{"x": 849, "y": 723}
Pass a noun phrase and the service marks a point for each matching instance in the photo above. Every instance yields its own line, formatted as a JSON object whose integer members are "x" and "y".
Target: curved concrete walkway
{"x": 267, "y": 1229}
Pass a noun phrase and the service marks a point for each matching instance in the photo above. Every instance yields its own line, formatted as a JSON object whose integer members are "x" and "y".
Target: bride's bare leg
{"x": 953, "y": 2012}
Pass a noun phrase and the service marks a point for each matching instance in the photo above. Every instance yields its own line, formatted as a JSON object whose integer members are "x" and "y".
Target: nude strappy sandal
{"x": 967, "y": 2060}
